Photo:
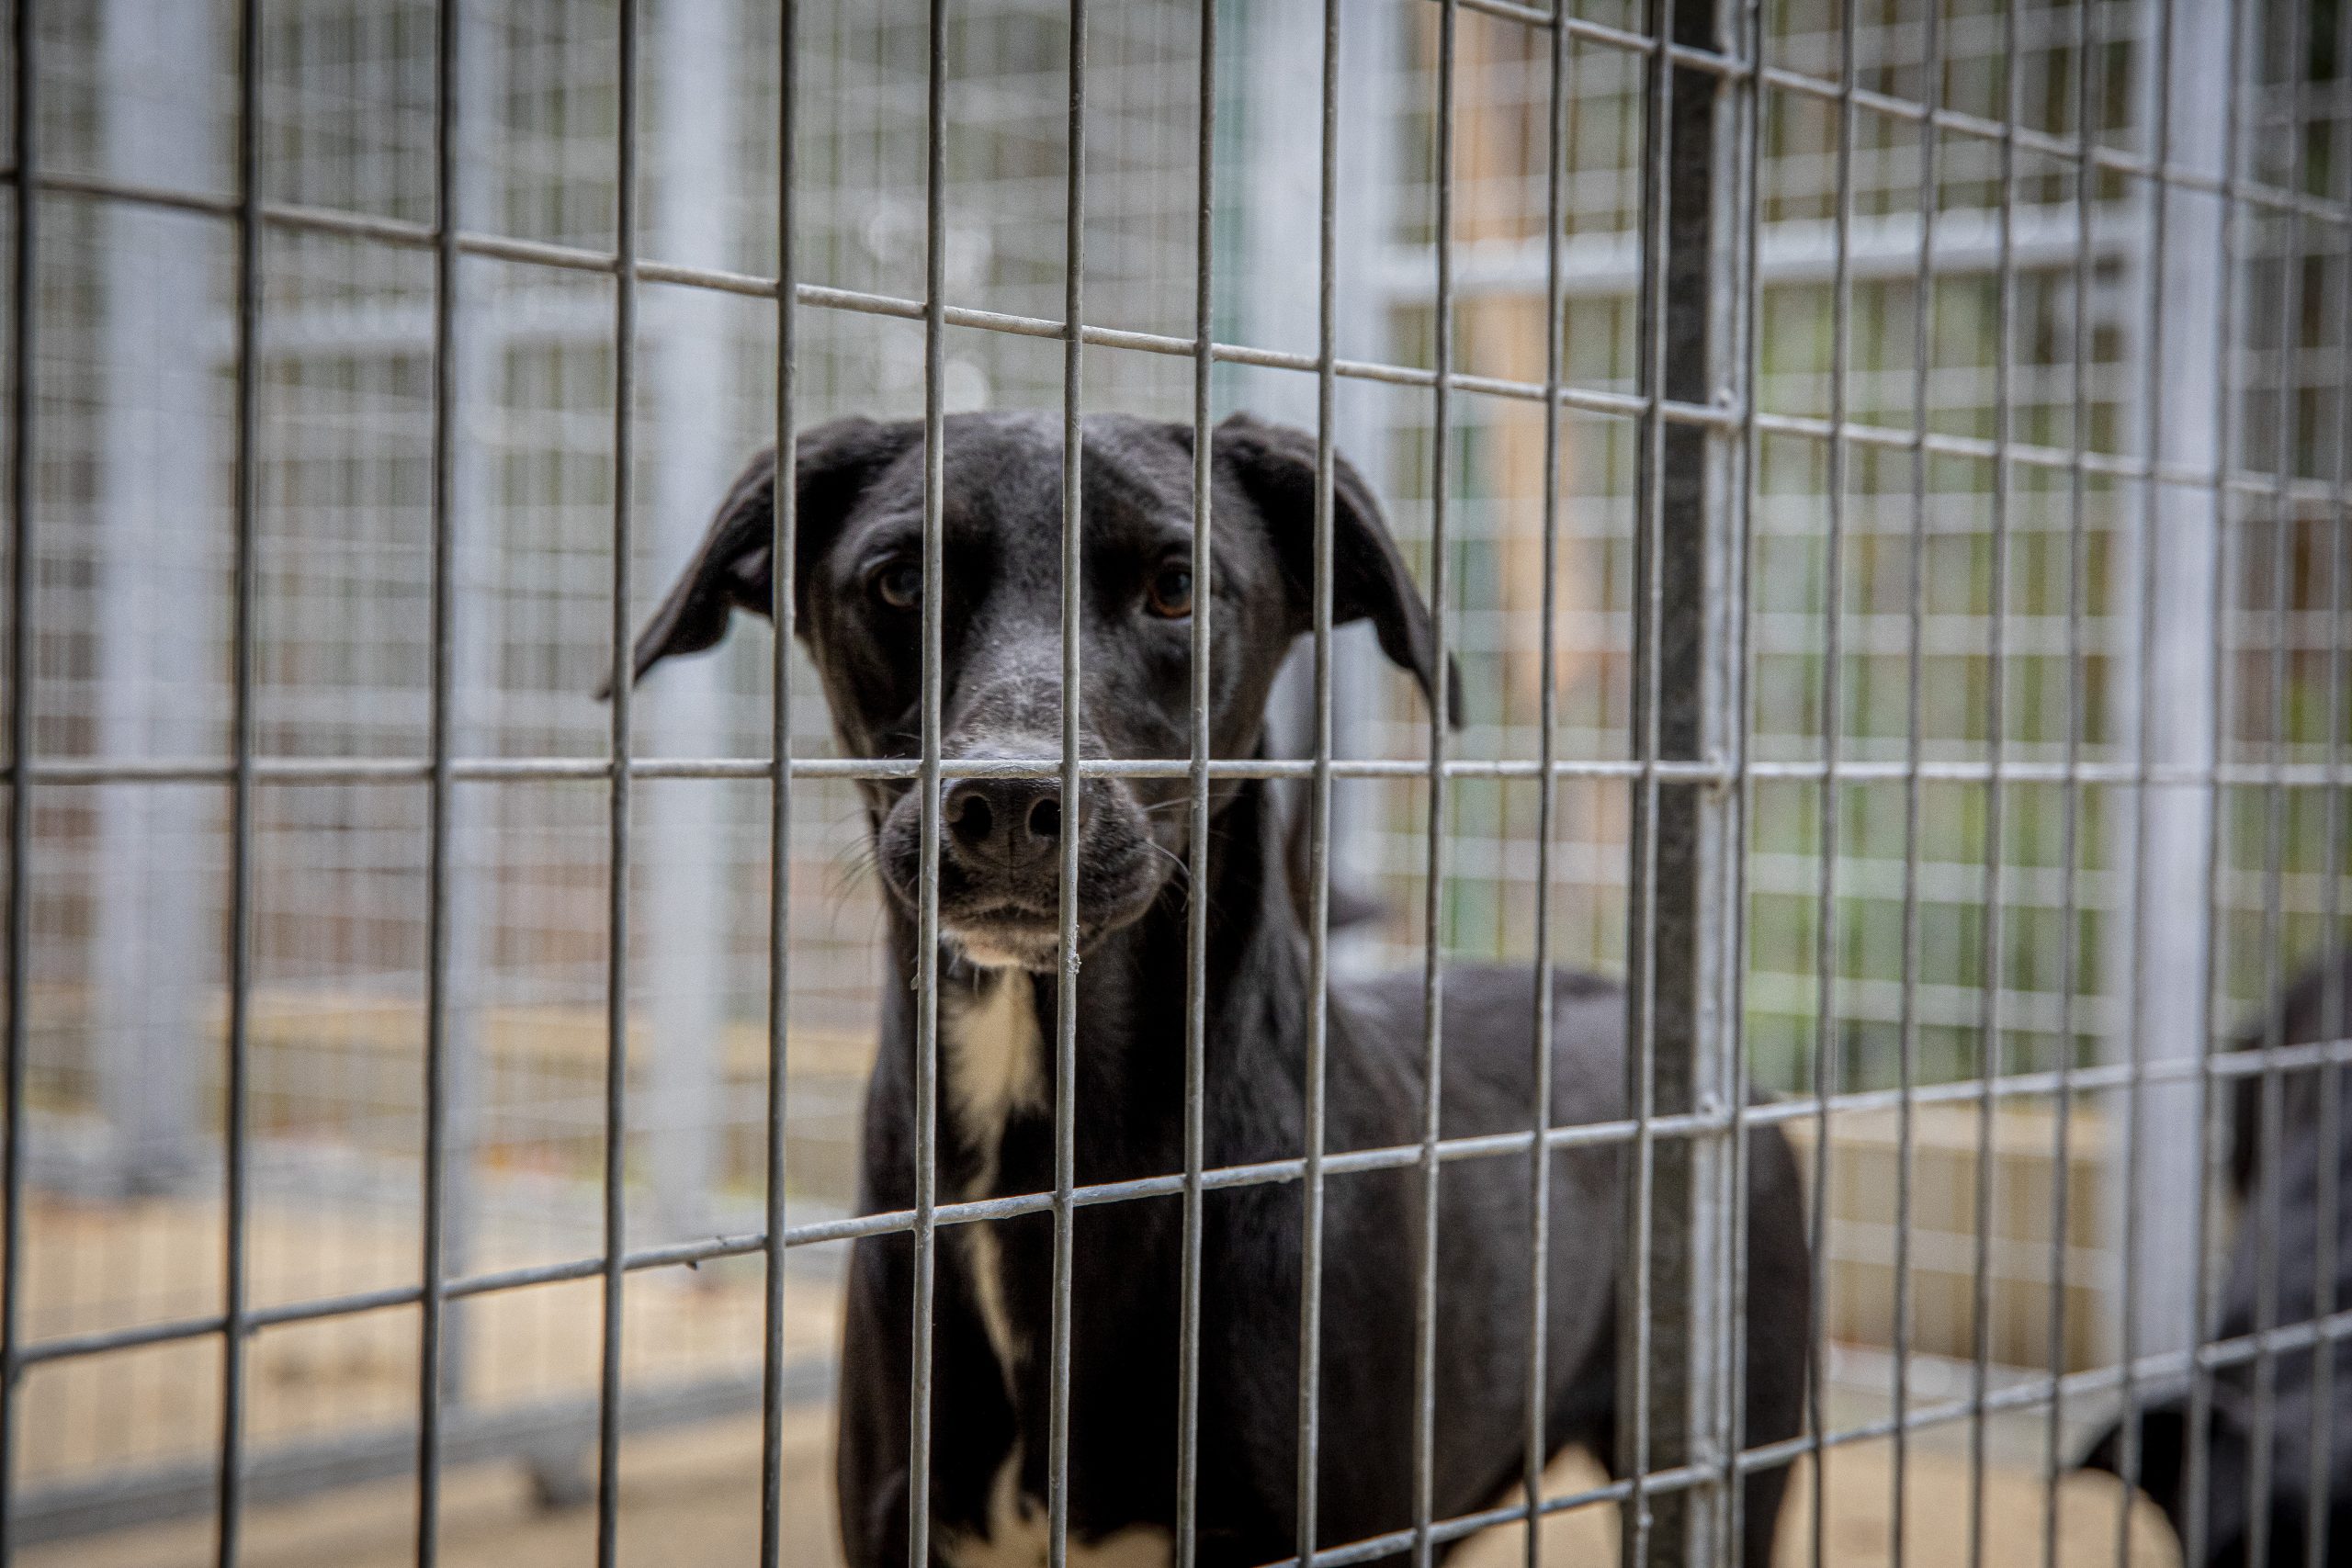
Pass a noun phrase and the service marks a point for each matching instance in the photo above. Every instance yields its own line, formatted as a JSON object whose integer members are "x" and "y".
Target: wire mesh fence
{"x": 1880, "y": 466}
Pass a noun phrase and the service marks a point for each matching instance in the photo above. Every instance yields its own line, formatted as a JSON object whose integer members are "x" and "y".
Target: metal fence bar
{"x": 1548, "y": 791}
{"x": 1196, "y": 847}
{"x": 1828, "y": 818}
{"x": 2264, "y": 1217}
{"x": 934, "y": 576}
{"x": 1073, "y": 626}
{"x": 1318, "y": 925}
{"x": 783, "y": 584}
{"x": 1636, "y": 1247}
{"x": 22, "y": 298}
{"x": 1711, "y": 772}
{"x": 1425, "y": 1345}
{"x": 617, "y": 873}
{"x": 434, "y": 1263}
{"x": 2152, "y": 346}
{"x": 1739, "y": 706}
{"x": 1923, "y": 301}
{"x": 246, "y": 500}
{"x": 2069, "y": 806}
{"x": 1992, "y": 926}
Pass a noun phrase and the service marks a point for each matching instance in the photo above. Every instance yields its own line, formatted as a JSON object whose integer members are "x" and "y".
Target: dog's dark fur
{"x": 859, "y": 491}
{"x": 2280, "y": 1194}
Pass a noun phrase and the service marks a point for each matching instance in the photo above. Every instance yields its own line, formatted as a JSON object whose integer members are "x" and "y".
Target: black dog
{"x": 858, "y": 587}
{"x": 2286, "y": 1188}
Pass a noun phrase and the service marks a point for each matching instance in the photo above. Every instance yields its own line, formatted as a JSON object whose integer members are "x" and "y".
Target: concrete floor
{"x": 692, "y": 1497}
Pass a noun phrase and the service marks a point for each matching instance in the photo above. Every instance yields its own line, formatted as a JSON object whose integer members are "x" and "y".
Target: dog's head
{"x": 858, "y": 592}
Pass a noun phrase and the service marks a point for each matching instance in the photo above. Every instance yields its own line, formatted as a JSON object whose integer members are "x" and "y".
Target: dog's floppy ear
{"x": 1275, "y": 464}
{"x": 731, "y": 568}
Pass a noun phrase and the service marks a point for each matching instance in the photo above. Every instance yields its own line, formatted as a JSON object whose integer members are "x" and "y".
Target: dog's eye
{"x": 1171, "y": 591}
{"x": 899, "y": 584}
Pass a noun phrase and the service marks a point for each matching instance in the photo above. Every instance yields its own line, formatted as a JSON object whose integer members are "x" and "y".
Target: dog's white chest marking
{"x": 994, "y": 1055}
{"x": 995, "y": 1060}
{"x": 1017, "y": 1535}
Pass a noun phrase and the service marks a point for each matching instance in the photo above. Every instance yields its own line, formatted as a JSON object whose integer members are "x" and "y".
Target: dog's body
{"x": 2306, "y": 1468}
{"x": 992, "y": 1385}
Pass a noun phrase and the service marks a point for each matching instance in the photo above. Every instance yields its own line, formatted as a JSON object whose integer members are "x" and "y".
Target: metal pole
{"x": 21, "y": 301}
{"x": 1196, "y": 849}
{"x": 2173, "y": 709}
{"x": 2221, "y": 585}
{"x": 683, "y": 827}
{"x": 434, "y": 1265}
{"x": 1827, "y": 1043}
{"x": 2070, "y": 803}
{"x": 1539, "y": 1108}
{"x": 1992, "y": 921}
{"x": 157, "y": 638}
{"x": 247, "y": 502}
{"x": 1073, "y": 640}
{"x": 1667, "y": 1296}
{"x": 934, "y": 491}
{"x": 1425, "y": 1307}
{"x": 1923, "y": 301}
{"x": 618, "y": 852}
{"x": 1318, "y": 926}
{"x": 2137, "y": 563}
{"x": 784, "y": 489}
{"x": 1738, "y": 814}
{"x": 480, "y": 337}
{"x": 2269, "y": 1088}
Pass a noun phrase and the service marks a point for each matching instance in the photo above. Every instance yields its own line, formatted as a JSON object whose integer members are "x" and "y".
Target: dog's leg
{"x": 1780, "y": 1336}
{"x": 1775, "y": 1413}
{"x": 1760, "y": 1518}
{"x": 1780, "y": 1329}
{"x": 870, "y": 1450}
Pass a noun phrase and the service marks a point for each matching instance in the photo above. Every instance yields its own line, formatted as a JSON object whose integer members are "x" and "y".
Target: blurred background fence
{"x": 2178, "y": 629}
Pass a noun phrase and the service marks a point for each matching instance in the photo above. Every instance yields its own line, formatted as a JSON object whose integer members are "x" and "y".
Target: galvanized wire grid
{"x": 1691, "y": 752}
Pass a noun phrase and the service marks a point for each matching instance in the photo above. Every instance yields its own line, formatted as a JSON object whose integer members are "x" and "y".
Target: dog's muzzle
{"x": 1000, "y": 851}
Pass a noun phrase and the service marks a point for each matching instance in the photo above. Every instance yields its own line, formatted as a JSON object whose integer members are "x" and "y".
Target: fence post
{"x": 482, "y": 341}
{"x": 2175, "y": 726}
{"x": 157, "y": 637}
{"x": 684, "y": 877}
{"x": 1677, "y": 943}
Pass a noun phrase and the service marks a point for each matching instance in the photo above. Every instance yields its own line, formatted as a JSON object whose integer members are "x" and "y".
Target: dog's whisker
{"x": 1183, "y": 867}
{"x": 1182, "y": 803}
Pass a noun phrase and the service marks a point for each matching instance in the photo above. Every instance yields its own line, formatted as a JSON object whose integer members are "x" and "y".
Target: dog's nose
{"x": 1005, "y": 822}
